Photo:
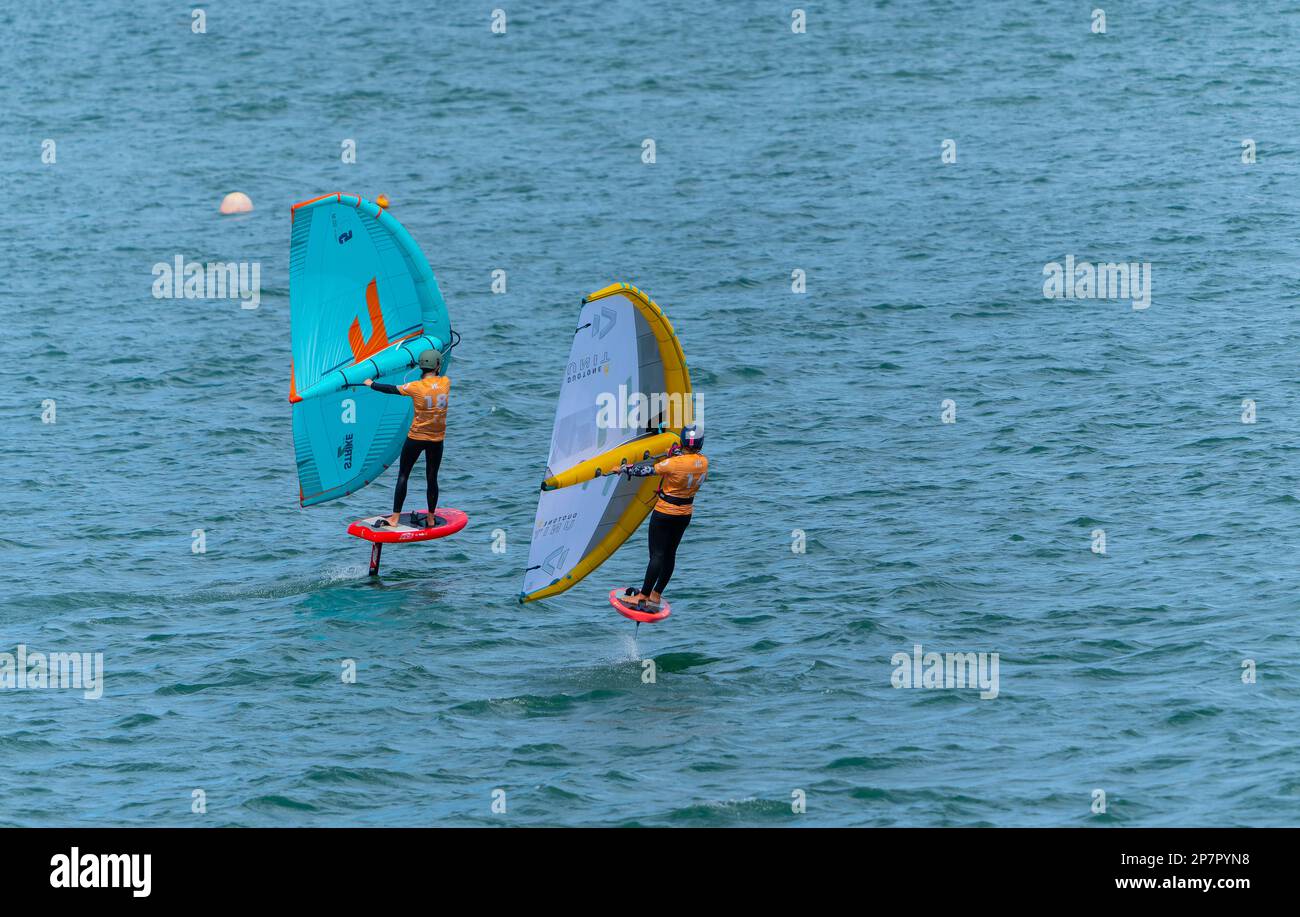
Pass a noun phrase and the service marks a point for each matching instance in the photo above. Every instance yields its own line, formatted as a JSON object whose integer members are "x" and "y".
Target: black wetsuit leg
{"x": 432, "y": 460}
{"x": 411, "y": 450}
{"x": 665, "y": 535}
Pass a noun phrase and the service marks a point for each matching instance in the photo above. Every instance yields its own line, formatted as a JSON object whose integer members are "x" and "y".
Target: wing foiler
{"x": 363, "y": 303}
{"x": 626, "y": 392}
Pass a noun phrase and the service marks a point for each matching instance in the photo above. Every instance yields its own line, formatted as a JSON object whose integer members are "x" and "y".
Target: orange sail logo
{"x": 362, "y": 348}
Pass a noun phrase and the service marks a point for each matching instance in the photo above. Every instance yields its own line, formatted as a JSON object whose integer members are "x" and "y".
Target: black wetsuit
{"x": 665, "y": 535}
{"x": 411, "y": 450}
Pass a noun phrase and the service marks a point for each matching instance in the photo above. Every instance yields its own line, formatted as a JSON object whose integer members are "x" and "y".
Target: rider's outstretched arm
{"x": 383, "y": 387}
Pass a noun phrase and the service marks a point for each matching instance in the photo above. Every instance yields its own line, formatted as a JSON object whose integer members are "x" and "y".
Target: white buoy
{"x": 236, "y": 202}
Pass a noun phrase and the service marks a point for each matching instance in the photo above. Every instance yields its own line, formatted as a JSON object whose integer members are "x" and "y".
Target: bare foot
{"x": 394, "y": 518}
{"x": 655, "y": 599}
{"x": 631, "y": 599}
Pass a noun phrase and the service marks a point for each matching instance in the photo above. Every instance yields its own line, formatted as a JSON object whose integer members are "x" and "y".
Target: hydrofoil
{"x": 376, "y": 530}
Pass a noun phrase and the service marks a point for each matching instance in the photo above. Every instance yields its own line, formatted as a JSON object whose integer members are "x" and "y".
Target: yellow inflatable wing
{"x": 626, "y": 392}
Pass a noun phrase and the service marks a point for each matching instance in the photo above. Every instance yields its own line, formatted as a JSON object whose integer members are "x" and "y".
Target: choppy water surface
{"x": 776, "y": 152}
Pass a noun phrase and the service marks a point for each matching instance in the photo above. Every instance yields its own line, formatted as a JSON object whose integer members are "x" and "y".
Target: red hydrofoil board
{"x": 445, "y": 522}
{"x": 630, "y": 611}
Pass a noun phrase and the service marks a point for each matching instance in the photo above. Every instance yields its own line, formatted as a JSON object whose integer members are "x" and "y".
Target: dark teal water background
{"x": 776, "y": 152}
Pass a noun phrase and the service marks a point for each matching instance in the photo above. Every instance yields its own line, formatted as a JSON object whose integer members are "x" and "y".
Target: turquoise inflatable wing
{"x": 363, "y": 303}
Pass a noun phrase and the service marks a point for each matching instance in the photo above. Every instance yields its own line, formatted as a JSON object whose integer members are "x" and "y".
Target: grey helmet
{"x": 431, "y": 360}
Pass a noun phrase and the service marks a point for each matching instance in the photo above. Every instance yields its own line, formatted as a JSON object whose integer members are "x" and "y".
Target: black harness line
{"x": 673, "y": 501}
